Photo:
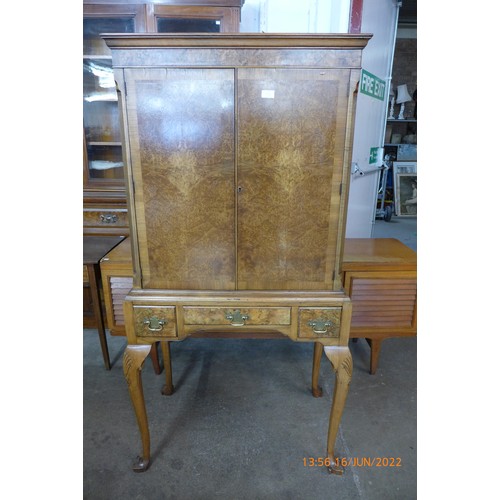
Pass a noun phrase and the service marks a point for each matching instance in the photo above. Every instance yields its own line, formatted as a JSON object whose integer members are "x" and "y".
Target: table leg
{"x": 318, "y": 352}
{"x": 375, "y": 345}
{"x": 96, "y": 306}
{"x": 154, "y": 359}
{"x": 133, "y": 359}
{"x": 168, "y": 388}
{"x": 341, "y": 360}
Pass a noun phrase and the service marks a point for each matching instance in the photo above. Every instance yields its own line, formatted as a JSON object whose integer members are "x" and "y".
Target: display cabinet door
{"x": 195, "y": 19}
{"x": 291, "y": 147}
{"x": 102, "y": 152}
{"x": 181, "y": 132}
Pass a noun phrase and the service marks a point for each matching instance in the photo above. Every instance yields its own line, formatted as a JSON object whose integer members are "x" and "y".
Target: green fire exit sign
{"x": 372, "y": 85}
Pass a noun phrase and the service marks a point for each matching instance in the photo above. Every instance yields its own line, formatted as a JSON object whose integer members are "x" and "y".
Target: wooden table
{"x": 94, "y": 248}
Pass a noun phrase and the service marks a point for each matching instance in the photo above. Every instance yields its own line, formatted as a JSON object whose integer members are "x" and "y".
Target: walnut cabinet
{"x": 237, "y": 151}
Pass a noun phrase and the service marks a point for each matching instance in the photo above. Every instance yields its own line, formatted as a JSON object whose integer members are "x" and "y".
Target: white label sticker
{"x": 267, "y": 94}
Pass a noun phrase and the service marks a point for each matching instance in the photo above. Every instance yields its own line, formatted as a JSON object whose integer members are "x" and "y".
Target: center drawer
{"x": 236, "y": 316}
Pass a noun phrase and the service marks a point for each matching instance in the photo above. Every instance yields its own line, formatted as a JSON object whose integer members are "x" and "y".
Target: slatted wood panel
{"x": 383, "y": 302}
{"x": 120, "y": 286}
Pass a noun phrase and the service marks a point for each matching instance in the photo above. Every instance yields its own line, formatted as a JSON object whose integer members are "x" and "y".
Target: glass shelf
{"x": 105, "y": 160}
{"x": 406, "y": 120}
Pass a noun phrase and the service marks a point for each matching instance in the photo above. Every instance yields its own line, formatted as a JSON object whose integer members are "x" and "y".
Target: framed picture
{"x": 407, "y": 152}
{"x": 406, "y": 195}
{"x": 403, "y": 167}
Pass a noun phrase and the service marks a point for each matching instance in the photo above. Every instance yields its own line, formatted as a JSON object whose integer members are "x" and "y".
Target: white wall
{"x": 295, "y": 16}
{"x": 380, "y": 18}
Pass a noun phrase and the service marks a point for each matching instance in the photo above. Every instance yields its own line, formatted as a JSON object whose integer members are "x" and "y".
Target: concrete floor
{"x": 401, "y": 228}
{"x": 242, "y": 420}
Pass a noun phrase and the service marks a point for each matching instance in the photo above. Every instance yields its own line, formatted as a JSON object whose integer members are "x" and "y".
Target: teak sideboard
{"x": 237, "y": 153}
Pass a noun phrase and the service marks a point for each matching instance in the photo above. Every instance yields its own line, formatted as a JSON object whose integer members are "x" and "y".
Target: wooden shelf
{"x": 104, "y": 143}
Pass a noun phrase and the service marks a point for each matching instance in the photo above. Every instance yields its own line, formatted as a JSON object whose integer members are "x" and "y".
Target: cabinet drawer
{"x": 155, "y": 321}
{"x": 105, "y": 218}
{"x": 319, "y": 322}
{"x": 228, "y": 316}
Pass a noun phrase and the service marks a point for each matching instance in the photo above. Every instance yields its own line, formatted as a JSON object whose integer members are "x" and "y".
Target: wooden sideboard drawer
{"x": 157, "y": 321}
{"x": 105, "y": 218}
{"x": 227, "y": 316}
{"x": 319, "y": 322}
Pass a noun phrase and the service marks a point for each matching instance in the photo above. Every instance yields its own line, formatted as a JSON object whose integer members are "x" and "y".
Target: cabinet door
{"x": 181, "y": 132}
{"x": 103, "y": 162}
{"x": 195, "y": 19}
{"x": 291, "y": 147}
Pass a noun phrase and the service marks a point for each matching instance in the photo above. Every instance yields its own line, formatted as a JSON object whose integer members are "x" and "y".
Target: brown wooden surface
{"x": 243, "y": 40}
{"x": 105, "y": 202}
{"x": 290, "y": 157}
{"x": 119, "y": 257}
{"x": 217, "y": 316}
{"x": 378, "y": 254}
{"x": 216, "y": 3}
{"x": 96, "y": 247}
{"x": 183, "y": 167}
{"x": 274, "y": 220}
{"x": 358, "y": 252}
{"x": 332, "y": 314}
{"x": 384, "y": 302}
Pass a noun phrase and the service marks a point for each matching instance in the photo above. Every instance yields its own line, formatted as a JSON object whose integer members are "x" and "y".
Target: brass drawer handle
{"x": 236, "y": 318}
{"x": 109, "y": 218}
{"x": 155, "y": 324}
{"x": 320, "y": 326}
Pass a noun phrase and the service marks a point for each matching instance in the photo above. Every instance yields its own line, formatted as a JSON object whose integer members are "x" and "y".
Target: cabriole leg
{"x": 133, "y": 360}
{"x": 341, "y": 360}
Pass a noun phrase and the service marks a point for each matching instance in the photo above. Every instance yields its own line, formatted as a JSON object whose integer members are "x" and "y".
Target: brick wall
{"x": 405, "y": 69}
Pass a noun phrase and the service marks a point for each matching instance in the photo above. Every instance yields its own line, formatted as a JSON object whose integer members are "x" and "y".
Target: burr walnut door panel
{"x": 181, "y": 128}
{"x": 291, "y": 147}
